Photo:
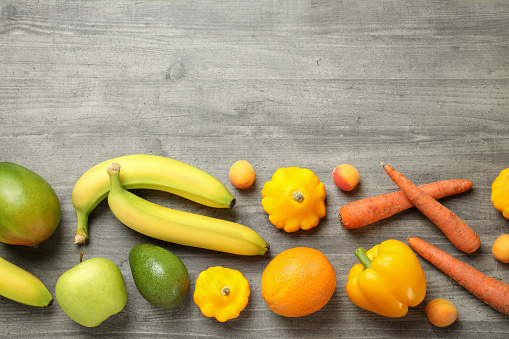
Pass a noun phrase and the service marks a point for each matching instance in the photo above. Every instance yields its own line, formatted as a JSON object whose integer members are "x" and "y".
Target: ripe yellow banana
{"x": 180, "y": 227}
{"x": 150, "y": 172}
{"x": 22, "y": 286}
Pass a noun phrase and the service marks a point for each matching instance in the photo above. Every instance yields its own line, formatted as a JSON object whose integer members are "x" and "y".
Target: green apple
{"x": 91, "y": 291}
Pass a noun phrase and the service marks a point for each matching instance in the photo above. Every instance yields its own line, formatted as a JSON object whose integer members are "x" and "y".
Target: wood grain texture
{"x": 422, "y": 86}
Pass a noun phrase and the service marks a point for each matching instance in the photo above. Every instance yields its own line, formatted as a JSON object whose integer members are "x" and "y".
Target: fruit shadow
{"x": 327, "y": 317}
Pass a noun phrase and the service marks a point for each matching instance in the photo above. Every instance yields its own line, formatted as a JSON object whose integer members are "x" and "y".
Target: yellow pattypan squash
{"x": 221, "y": 293}
{"x": 294, "y": 199}
{"x": 500, "y": 193}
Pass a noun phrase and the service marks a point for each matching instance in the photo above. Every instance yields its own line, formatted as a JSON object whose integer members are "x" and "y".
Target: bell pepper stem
{"x": 363, "y": 257}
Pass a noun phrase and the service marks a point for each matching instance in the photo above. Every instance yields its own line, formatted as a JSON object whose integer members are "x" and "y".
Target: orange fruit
{"x": 500, "y": 248}
{"x": 242, "y": 174}
{"x": 298, "y": 282}
{"x": 441, "y": 312}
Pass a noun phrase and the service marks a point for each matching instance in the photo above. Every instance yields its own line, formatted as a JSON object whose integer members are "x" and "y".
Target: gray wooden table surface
{"x": 420, "y": 85}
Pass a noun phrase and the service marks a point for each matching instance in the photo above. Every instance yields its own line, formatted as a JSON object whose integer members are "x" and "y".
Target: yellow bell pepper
{"x": 388, "y": 280}
{"x": 221, "y": 293}
{"x": 500, "y": 193}
{"x": 294, "y": 199}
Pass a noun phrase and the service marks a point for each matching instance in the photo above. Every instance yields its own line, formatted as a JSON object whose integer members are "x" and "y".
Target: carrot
{"x": 456, "y": 230}
{"x": 366, "y": 211}
{"x": 492, "y": 291}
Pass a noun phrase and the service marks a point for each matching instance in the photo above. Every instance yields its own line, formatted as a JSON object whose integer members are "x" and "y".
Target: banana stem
{"x": 113, "y": 172}
{"x": 81, "y": 235}
{"x": 82, "y": 230}
{"x": 114, "y": 168}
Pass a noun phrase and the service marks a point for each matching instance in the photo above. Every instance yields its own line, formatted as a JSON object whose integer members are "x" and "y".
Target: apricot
{"x": 242, "y": 174}
{"x": 346, "y": 177}
{"x": 500, "y": 248}
{"x": 441, "y": 312}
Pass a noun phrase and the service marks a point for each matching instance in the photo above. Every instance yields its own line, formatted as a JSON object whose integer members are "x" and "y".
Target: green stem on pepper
{"x": 363, "y": 257}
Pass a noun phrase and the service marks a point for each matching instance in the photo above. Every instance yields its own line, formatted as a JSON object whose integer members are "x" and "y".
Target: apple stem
{"x": 81, "y": 256}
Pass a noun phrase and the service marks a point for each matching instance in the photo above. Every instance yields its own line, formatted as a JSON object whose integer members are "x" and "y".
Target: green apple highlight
{"x": 92, "y": 291}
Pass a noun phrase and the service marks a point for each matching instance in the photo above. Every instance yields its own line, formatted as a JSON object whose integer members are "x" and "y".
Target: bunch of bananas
{"x": 162, "y": 173}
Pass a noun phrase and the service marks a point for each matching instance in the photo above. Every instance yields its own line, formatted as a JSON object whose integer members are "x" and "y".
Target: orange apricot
{"x": 346, "y": 177}
{"x": 242, "y": 174}
{"x": 500, "y": 248}
{"x": 441, "y": 312}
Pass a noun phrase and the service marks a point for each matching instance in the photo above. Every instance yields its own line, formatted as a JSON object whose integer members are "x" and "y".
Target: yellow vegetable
{"x": 294, "y": 199}
{"x": 500, "y": 193}
{"x": 388, "y": 280}
{"x": 221, "y": 293}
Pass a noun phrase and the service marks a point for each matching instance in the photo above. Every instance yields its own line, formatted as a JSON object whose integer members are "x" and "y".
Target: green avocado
{"x": 29, "y": 207}
{"x": 160, "y": 276}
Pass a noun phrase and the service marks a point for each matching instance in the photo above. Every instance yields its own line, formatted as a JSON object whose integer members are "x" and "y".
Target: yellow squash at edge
{"x": 390, "y": 280}
{"x": 294, "y": 199}
{"x": 221, "y": 293}
{"x": 500, "y": 193}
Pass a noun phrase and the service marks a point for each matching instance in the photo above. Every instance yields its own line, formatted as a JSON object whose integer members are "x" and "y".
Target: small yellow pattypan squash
{"x": 500, "y": 193}
{"x": 221, "y": 293}
{"x": 294, "y": 199}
